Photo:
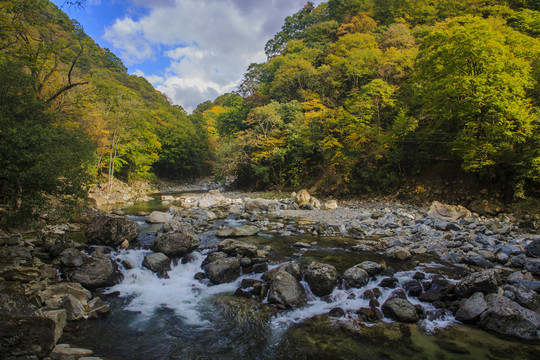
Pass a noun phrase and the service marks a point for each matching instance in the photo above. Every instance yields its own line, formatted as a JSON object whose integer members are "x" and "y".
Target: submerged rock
{"x": 322, "y": 278}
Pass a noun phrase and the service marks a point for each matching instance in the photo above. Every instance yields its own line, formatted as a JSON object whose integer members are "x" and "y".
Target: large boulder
{"x": 509, "y": 318}
{"x": 486, "y": 282}
{"x": 322, "y": 278}
{"x": 244, "y": 230}
{"x": 56, "y": 291}
{"x": 355, "y": 277}
{"x": 234, "y": 247}
{"x": 286, "y": 291}
{"x": 212, "y": 198}
{"x": 98, "y": 271}
{"x": 175, "y": 243}
{"x": 533, "y": 248}
{"x": 371, "y": 267}
{"x": 472, "y": 308}
{"x": 253, "y": 205}
{"x": 448, "y": 212}
{"x": 24, "y": 333}
{"x": 484, "y": 207}
{"x": 400, "y": 309}
{"x": 158, "y": 217}
{"x": 223, "y": 270}
{"x": 158, "y": 263}
{"x": 302, "y": 198}
{"x": 111, "y": 230}
{"x": 398, "y": 253}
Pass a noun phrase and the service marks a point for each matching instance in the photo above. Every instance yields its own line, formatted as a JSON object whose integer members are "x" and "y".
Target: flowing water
{"x": 182, "y": 318}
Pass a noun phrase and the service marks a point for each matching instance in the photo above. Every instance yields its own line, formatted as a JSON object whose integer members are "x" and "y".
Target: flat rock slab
{"x": 245, "y": 230}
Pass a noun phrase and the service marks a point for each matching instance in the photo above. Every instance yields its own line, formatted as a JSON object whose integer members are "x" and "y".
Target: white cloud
{"x": 208, "y": 44}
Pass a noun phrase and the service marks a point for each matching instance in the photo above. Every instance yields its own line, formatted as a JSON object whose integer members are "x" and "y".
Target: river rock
{"x": 254, "y": 205}
{"x": 74, "y": 308}
{"x": 66, "y": 351}
{"x": 533, "y": 266}
{"x": 98, "y": 271}
{"x": 175, "y": 243}
{"x": 158, "y": 263}
{"x": 330, "y": 205}
{"x": 223, "y": 270}
{"x": 60, "y": 319}
{"x": 413, "y": 288}
{"x": 484, "y": 207}
{"x": 507, "y": 317}
{"x": 524, "y": 296}
{"x": 533, "y": 248}
{"x": 213, "y": 198}
{"x": 400, "y": 309}
{"x": 472, "y": 308}
{"x": 302, "y": 197}
{"x": 96, "y": 308}
{"x": 531, "y": 284}
{"x": 486, "y": 282}
{"x": 111, "y": 230}
{"x": 234, "y": 247}
{"x": 244, "y": 230}
{"x": 72, "y": 258}
{"x": 398, "y": 253}
{"x": 322, "y": 278}
{"x": 158, "y": 217}
{"x": 447, "y": 212}
{"x": 371, "y": 267}
{"x": 285, "y": 290}
{"x": 355, "y": 277}
{"x": 56, "y": 291}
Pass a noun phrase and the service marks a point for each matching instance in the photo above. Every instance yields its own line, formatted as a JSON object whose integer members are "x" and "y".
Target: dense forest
{"x": 70, "y": 114}
{"x": 355, "y": 95}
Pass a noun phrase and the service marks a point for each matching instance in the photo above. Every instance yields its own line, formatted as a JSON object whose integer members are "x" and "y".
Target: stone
{"x": 26, "y": 337}
{"x": 74, "y": 308}
{"x": 486, "y": 282}
{"x": 533, "y": 248}
{"x": 301, "y": 245}
{"x": 254, "y": 205}
{"x": 484, "y": 207}
{"x": 321, "y": 278}
{"x": 234, "y": 247}
{"x": 447, "y": 212}
{"x": 111, "y": 230}
{"x": 245, "y": 230}
{"x": 223, "y": 270}
{"x": 400, "y": 309}
{"x": 98, "y": 271}
{"x": 524, "y": 296}
{"x": 531, "y": 284}
{"x": 158, "y": 217}
{"x": 63, "y": 288}
{"x": 413, "y": 288}
{"x": 371, "y": 267}
{"x": 533, "y": 266}
{"x": 315, "y": 203}
{"x": 60, "y": 318}
{"x": 65, "y": 351}
{"x": 505, "y": 316}
{"x": 302, "y": 197}
{"x": 158, "y": 263}
{"x": 72, "y": 257}
{"x": 97, "y": 308}
{"x": 398, "y": 253}
{"x": 472, "y": 308}
{"x": 355, "y": 277}
{"x": 175, "y": 244}
{"x": 330, "y": 205}
{"x": 285, "y": 290}
{"x": 212, "y": 198}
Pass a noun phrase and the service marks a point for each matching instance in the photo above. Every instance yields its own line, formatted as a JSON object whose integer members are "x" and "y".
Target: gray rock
{"x": 447, "y": 212}
{"x": 74, "y": 308}
{"x": 400, "y": 309}
{"x": 472, "y": 308}
{"x": 234, "y": 247}
{"x": 524, "y": 296}
{"x": 245, "y": 230}
{"x": 355, "y": 277}
{"x": 285, "y": 290}
{"x": 64, "y": 288}
{"x": 158, "y": 263}
{"x": 111, "y": 230}
{"x": 223, "y": 270}
{"x": 322, "y": 278}
{"x": 371, "y": 267}
{"x": 65, "y": 351}
{"x": 533, "y": 248}
{"x": 72, "y": 257}
{"x": 97, "y": 308}
{"x": 175, "y": 243}
{"x": 531, "y": 284}
{"x": 484, "y": 207}
{"x": 485, "y": 282}
{"x": 533, "y": 266}
{"x": 507, "y": 317}
{"x": 398, "y": 253}
{"x": 158, "y": 217}
{"x": 60, "y": 318}
{"x": 98, "y": 271}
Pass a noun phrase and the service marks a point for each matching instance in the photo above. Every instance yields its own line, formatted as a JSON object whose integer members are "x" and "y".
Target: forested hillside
{"x": 70, "y": 114}
{"x": 357, "y": 94}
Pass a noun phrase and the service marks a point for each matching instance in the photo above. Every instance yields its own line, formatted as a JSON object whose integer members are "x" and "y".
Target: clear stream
{"x": 182, "y": 318}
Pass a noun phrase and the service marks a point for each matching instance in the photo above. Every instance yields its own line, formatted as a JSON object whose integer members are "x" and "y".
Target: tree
{"x": 474, "y": 79}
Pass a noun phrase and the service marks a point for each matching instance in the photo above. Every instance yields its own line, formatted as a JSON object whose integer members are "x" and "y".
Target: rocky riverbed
{"x": 426, "y": 265}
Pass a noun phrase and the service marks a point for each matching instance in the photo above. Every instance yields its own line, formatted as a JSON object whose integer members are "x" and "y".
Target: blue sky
{"x": 191, "y": 50}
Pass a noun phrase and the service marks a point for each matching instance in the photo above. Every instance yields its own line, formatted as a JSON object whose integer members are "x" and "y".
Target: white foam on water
{"x": 181, "y": 292}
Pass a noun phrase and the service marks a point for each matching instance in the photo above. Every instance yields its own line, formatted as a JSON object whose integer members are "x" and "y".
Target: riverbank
{"x": 495, "y": 257}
